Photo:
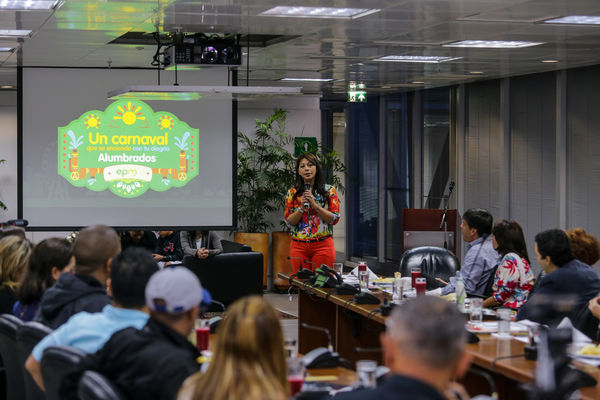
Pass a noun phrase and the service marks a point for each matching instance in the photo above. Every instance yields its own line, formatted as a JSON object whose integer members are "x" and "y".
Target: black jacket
{"x": 148, "y": 241}
{"x": 146, "y": 364}
{"x": 395, "y": 387}
{"x": 170, "y": 247}
{"x": 71, "y": 294}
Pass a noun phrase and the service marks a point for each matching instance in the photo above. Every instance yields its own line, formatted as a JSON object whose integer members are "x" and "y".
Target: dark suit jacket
{"x": 574, "y": 279}
{"x": 395, "y": 387}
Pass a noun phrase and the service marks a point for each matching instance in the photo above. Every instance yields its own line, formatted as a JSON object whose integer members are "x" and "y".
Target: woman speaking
{"x": 311, "y": 209}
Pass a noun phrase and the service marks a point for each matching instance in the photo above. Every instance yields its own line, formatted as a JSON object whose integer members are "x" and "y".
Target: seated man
{"x": 129, "y": 273}
{"x": 424, "y": 348}
{"x": 168, "y": 247}
{"x": 94, "y": 248}
{"x": 480, "y": 258}
{"x": 145, "y": 239}
{"x": 565, "y": 277}
{"x": 151, "y": 363}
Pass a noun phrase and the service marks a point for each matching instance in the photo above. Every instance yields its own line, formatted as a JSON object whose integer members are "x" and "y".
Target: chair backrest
{"x": 95, "y": 386}
{"x": 435, "y": 262}
{"x": 28, "y": 335}
{"x": 234, "y": 247}
{"x": 15, "y": 385}
{"x": 58, "y": 361}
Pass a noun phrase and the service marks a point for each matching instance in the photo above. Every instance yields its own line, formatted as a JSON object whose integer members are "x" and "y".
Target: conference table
{"x": 355, "y": 330}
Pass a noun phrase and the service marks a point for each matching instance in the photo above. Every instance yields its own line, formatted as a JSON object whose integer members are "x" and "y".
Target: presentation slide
{"x": 125, "y": 163}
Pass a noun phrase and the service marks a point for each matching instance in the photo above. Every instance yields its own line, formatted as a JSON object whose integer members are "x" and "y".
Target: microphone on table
{"x": 321, "y": 357}
{"x": 306, "y": 204}
{"x": 320, "y": 329}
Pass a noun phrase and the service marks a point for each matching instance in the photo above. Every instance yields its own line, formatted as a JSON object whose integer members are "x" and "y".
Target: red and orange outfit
{"x": 312, "y": 237}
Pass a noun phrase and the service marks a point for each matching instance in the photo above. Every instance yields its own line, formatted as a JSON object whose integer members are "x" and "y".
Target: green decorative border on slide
{"x": 128, "y": 148}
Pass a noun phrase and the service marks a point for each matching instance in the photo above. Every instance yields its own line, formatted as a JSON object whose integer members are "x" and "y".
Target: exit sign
{"x": 357, "y": 96}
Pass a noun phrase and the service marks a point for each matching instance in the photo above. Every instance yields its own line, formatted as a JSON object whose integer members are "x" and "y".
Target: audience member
{"x": 565, "y": 277}
{"x": 200, "y": 244}
{"x": 14, "y": 256}
{"x": 129, "y": 273}
{"x": 50, "y": 258}
{"x": 152, "y": 363}
{"x": 424, "y": 348}
{"x": 480, "y": 258}
{"x": 249, "y": 359}
{"x": 585, "y": 247}
{"x": 514, "y": 279}
{"x": 94, "y": 248}
{"x": 11, "y": 230}
{"x": 145, "y": 239}
{"x": 168, "y": 247}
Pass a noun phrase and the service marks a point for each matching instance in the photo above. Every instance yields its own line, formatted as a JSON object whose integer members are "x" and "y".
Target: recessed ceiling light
{"x": 318, "y": 12}
{"x": 417, "y": 59}
{"x": 492, "y": 44}
{"x": 575, "y": 19}
{"x": 549, "y": 61}
{"x": 477, "y": 72}
{"x": 29, "y": 4}
{"x": 15, "y": 33}
{"x": 418, "y": 82}
{"x": 306, "y": 79}
{"x": 6, "y": 49}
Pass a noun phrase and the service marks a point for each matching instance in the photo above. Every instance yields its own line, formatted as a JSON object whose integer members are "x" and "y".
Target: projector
{"x": 200, "y": 49}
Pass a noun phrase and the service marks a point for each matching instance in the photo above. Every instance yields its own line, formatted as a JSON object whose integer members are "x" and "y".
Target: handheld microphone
{"x": 451, "y": 188}
{"x": 306, "y": 204}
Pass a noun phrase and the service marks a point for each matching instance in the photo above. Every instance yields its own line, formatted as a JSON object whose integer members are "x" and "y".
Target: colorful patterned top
{"x": 311, "y": 226}
{"x": 513, "y": 281}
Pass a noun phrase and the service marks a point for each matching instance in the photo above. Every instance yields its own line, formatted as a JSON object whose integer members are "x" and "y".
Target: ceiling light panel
{"x": 15, "y": 33}
{"x": 575, "y": 19}
{"x": 318, "y": 12}
{"x": 306, "y": 79}
{"x": 492, "y": 44}
{"x": 417, "y": 59}
{"x": 28, "y": 4}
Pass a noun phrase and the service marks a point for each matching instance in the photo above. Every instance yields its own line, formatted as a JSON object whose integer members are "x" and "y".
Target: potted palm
{"x": 264, "y": 173}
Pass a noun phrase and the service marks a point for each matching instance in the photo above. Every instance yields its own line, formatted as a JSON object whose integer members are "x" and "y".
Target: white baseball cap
{"x": 173, "y": 290}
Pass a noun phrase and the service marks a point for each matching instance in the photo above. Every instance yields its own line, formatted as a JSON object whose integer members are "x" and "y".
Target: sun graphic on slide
{"x": 92, "y": 121}
{"x": 166, "y": 122}
{"x": 129, "y": 114}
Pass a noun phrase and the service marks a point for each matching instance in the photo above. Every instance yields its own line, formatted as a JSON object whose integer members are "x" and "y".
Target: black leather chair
{"x": 28, "y": 335}
{"x": 234, "y": 247}
{"x": 95, "y": 386}
{"x": 57, "y": 361}
{"x": 435, "y": 262}
{"x": 229, "y": 276}
{"x": 15, "y": 385}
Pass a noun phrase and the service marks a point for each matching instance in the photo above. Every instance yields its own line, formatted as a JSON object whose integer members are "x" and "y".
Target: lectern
{"x": 425, "y": 227}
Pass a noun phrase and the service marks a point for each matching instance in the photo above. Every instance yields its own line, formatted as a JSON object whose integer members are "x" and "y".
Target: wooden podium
{"x": 421, "y": 227}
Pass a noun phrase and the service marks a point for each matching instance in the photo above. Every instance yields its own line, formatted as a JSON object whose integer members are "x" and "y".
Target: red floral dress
{"x": 311, "y": 226}
{"x": 513, "y": 281}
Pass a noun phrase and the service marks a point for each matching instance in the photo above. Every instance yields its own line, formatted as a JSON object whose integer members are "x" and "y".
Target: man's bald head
{"x": 94, "y": 247}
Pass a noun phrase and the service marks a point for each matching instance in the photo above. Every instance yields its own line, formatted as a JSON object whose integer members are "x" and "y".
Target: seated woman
{"x": 200, "y": 244}
{"x": 50, "y": 258}
{"x": 249, "y": 360}
{"x": 514, "y": 279}
{"x": 14, "y": 255}
{"x": 585, "y": 247}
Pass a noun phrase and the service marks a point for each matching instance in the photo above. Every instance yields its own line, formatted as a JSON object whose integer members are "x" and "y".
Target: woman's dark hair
{"x": 585, "y": 247}
{"x": 510, "y": 238}
{"x": 319, "y": 184}
{"x": 51, "y": 252}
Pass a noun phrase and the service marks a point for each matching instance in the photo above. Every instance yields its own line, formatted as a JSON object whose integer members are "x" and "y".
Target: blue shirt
{"x": 89, "y": 331}
{"x": 478, "y": 265}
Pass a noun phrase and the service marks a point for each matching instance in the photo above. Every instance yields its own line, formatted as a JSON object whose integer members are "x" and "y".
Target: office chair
{"x": 57, "y": 362}
{"x": 15, "y": 385}
{"x": 234, "y": 247}
{"x": 435, "y": 262}
{"x": 95, "y": 386}
{"x": 28, "y": 335}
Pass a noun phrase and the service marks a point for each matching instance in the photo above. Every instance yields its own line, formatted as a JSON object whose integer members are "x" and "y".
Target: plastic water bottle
{"x": 459, "y": 289}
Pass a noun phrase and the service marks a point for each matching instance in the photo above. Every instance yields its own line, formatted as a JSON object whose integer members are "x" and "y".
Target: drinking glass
{"x": 414, "y": 274}
{"x": 295, "y": 375}
{"x": 397, "y": 290}
{"x": 366, "y": 371}
{"x": 420, "y": 286}
{"x": 363, "y": 278}
{"x": 476, "y": 308}
{"x": 503, "y": 315}
{"x": 202, "y": 335}
{"x": 338, "y": 267}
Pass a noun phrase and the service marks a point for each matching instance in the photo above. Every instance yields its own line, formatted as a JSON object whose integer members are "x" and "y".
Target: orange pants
{"x": 321, "y": 252}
